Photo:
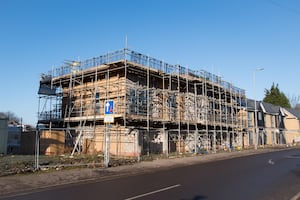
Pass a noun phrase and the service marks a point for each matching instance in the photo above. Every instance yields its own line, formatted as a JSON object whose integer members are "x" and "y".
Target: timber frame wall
{"x": 158, "y": 107}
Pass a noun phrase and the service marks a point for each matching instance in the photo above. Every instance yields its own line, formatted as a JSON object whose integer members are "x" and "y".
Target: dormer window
{"x": 259, "y": 115}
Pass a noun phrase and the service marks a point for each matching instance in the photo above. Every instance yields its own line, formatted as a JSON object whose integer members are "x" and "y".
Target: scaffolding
{"x": 159, "y": 108}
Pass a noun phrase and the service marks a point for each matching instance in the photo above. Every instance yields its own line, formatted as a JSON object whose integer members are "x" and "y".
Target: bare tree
{"x": 11, "y": 116}
{"x": 294, "y": 101}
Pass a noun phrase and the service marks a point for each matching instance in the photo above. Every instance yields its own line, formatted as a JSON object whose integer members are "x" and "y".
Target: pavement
{"x": 18, "y": 184}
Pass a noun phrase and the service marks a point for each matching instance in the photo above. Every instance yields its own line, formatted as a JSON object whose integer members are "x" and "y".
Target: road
{"x": 266, "y": 176}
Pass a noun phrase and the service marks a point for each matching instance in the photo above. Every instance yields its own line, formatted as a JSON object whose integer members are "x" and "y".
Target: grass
{"x": 22, "y": 164}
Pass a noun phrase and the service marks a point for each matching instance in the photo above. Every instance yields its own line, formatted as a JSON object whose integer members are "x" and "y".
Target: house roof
{"x": 294, "y": 112}
{"x": 265, "y": 107}
{"x": 270, "y": 108}
{"x": 251, "y": 105}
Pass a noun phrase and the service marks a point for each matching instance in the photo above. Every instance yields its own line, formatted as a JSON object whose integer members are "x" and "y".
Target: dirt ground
{"x": 26, "y": 182}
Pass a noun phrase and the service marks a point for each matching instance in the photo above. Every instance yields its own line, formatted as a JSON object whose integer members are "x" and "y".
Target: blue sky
{"x": 227, "y": 37}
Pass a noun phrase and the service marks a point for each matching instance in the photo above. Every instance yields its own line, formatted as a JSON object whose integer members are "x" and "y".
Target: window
{"x": 97, "y": 97}
{"x": 273, "y": 138}
{"x": 250, "y": 137}
{"x": 172, "y": 101}
{"x": 259, "y": 116}
{"x": 272, "y": 122}
{"x": 250, "y": 120}
{"x": 132, "y": 96}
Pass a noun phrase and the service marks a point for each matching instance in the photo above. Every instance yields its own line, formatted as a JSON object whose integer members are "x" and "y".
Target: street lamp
{"x": 255, "y": 109}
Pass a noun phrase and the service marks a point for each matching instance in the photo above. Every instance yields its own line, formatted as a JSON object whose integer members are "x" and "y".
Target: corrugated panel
{"x": 3, "y": 136}
{"x": 47, "y": 90}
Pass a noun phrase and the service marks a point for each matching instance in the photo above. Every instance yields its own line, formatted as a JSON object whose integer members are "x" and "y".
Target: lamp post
{"x": 255, "y": 109}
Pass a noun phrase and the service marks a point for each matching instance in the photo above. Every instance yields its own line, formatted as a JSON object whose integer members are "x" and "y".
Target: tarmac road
{"x": 274, "y": 175}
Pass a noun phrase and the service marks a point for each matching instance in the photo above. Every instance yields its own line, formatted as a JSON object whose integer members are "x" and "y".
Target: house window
{"x": 250, "y": 137}
{"x": 250, "y": 120}
{"x": 259, "y": 116}
{"x": 279, "y": 122}
{"x": 273, "y": 138}
{"x": 272, "y": 121}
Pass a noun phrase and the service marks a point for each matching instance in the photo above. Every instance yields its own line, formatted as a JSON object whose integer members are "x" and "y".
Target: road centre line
{"x": 153, "y": 192}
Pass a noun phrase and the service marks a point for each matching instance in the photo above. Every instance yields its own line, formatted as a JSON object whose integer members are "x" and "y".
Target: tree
{"x": 11, "y": 116}
{"x": 276, "y": 97}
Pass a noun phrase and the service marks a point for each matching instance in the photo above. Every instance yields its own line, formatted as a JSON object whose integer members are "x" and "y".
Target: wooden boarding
{"x": 52, "y": 142}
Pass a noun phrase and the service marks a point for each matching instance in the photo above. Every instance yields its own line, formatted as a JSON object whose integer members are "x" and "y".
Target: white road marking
{"x": 271, "y": 162}
{"x": 293, "y": 156}
{"x": 153, "y": 192}
{"x": 297, "y": 196}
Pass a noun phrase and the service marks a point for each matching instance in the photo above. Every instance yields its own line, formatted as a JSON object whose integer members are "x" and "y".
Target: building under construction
{"x": 155, "y": 107}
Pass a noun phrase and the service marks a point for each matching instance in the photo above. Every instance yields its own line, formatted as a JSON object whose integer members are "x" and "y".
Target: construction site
{"x": 155, "y": 108}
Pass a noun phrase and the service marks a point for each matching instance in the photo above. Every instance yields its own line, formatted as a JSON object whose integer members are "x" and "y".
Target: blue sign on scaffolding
{"x": 109, "y": 107}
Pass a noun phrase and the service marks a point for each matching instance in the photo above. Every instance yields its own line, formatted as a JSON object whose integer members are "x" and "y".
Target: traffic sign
{"x": 109, "y": 111}
{"x": 109, "y": 119}
{"x": 109, "y": 107}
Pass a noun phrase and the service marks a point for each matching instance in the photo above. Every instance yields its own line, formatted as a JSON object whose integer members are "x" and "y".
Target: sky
{"x": 230, "y": 38}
